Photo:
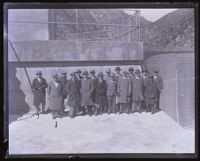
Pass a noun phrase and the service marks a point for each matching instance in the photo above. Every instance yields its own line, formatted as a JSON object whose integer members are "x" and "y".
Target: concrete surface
{"x": 134, "y": 133}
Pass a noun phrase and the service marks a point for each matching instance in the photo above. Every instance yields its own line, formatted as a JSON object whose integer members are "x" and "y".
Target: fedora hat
{"x": 92, "y": 72}
{"x": 85, "y": 73}
{"x": 72, "y": 74}
{"x": 100, "y": 74}
{"x": 64, "y": 73}
{"x": 108, "y": 70}
{"x": 38, "y": 73}
{"x": 118, "y": 68}
{"x": 137, "y": 71}
{"x": 131, "y": 69}
{"x": 78, "y": 71}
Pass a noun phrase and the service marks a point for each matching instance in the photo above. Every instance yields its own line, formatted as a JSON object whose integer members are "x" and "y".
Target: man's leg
{"x": 158, "y": 100}
{"x": 109, "y": 98}
{"x": 133, "y": 107}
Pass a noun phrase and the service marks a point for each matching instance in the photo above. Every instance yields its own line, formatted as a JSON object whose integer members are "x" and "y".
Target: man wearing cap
{"x": 145, "y": 80}
{"x": 137, "y": 93}
{"x": 87, "y": 87}
{"x": 54, "y": 92}
{"x": 73, "y": 97}
{"x": 159, "y": 83}
{"x": 63, "y": 80}
{"x": 38, "y": 85}
{"x": 100, "y": 97}
{"x": 150, "y": 94}
{"x": 111, "y": 93}
{"x": 118, "y": 75}
{"x": 124, "y": 92}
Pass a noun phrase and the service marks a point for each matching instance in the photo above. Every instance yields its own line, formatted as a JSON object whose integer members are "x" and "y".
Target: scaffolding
{"x": 128, "y": 30}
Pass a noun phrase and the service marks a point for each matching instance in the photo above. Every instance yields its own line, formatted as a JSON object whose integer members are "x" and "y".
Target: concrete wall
{"x": 177, "y": 99}
{"x": 63, "y": 50}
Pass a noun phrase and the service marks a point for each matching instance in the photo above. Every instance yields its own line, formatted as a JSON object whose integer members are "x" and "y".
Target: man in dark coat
{"x": 124, "y": 92}
{"x": 94, "y": 78}
{"x": 73, "y": 91}
{"x": 118, "y": 75}
{"x": 100, "y": 89}
{"x": 78, "y": 78}
{"x": 159, "y": 83}
{"x": 87, "y": 87}
{"x": 150, "y": 94}
{"x": 54, "y": 92}
{"x": 111, "y": 93}
{"x": 63, "y": 80}
{"x": 38, "y": 85}
{"x": 145, "y": 79}
{"x": 137, "y": 92}
{"x": 131, "y": 73}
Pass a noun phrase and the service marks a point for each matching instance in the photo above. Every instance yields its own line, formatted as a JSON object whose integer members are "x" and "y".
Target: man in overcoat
{"x": 150, "y": 94}
{"x": 78, "y": 78}
{"x": 159, "y": 83}
{"x": 124, "y": 92}
{"x": 100, "y": 97}
{"x": 111, "y": 93}
{"x": 131, "y": 72}
{"x": 39, "y": 85}
{"x": 63, "y": 80}
{"x": 73, "y": 97}
{"x": 137, "y": 92}
{"x": 118, "y": 75}
{"x": 145, "y": 80}
{"x": 87, "y": 87}
{"x": 54, "y": 92}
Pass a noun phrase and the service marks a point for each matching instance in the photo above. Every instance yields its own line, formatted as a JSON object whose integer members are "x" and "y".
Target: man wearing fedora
{"x": 131, "y": 72}
{"x": 137, "y": 92}
{"x": 118, "y": 75}
{"x": 63, "y": 80}
{"x": 107, "y": 76}
{"x": 159, "y": 83}
{"x": 145, "y": 79}
{"x": 124, "y": 92}
{"x": 86, "y": 90}
{"x": 78, "y": 78}
{"x": 54, "y": 92}
{"x": 100, "y": 97}
{"x": 73, "y": 95}
{"x": 111, "y": 93}
{"x": 39, "y": 85}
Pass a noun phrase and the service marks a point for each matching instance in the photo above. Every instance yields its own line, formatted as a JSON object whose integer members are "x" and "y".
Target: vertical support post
{"x": 139, "y": 26}
{"x": 177, "y": 113}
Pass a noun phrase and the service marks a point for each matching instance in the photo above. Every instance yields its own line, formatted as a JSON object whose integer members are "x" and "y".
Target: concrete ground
{"x": 114, "y": 133}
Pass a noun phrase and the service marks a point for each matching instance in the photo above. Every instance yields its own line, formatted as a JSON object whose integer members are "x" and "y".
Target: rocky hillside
{"x": 174, "y": 31}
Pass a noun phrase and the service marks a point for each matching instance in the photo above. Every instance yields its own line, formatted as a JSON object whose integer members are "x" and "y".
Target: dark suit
{"x": 100, "y": 98}
{"x": 159, "y": 85}
{"x": 63, "y": 82}
{"x": 39, "y": 93}
{"x": 73, "y": 90}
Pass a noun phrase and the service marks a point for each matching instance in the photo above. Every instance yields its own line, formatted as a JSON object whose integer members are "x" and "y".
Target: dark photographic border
{"x": 62, "y": 5}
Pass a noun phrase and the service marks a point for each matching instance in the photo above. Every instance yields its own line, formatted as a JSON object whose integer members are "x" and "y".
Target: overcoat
{"x": 137, "y": 89}
{"x": 73, "y": 91}
{"x": 150, "y": 92}
{"x": 124, "y": 90}
{"x": 93, "y": 93}
{"x": 87, "y": 87}
{"x": 39, "y": 91}
{"x": 100, "y": 89}
{"x": 111, "y": 88}
{"x": 145, "y": 80}
{"x": 159, "y": 82}
{"x": 55, "y": 96}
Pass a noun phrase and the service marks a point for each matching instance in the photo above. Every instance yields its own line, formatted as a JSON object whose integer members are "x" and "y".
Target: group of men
{"x": 127, "y": 91}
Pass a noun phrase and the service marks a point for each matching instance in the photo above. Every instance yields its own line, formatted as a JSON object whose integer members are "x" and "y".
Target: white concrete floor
{"x": 133, "y": 133}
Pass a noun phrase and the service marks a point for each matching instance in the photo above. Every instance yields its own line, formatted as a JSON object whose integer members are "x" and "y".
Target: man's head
{"x": 92, "y": 72}
{"x": 39, "y": 74}
{"x": 64, "y": 74}
{"x": 125, "y": 73}
{"x": 100, "y": 75}
{"x": 78, "y": 72}
{"x": 144, "y": 72}
{"x": 55, "y": 76}
{"x": 112, "y": 76}
{"x": 137, "y": 73}
{"x": 131, "y": 70}
{"x": 156, "y": 72}
{"x": 85, "y": 74}
{"x": 117, "y": 69}
{"x": 108, "y": 71}
{"x": 72, "y": 75}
